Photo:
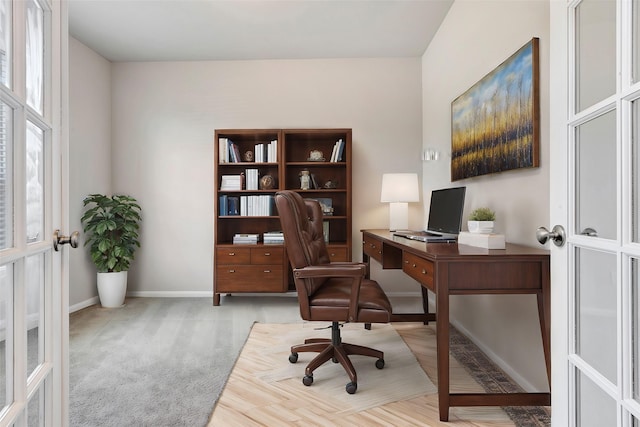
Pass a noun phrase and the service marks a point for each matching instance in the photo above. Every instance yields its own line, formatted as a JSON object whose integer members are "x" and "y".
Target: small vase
{"x": 481, "y": 227}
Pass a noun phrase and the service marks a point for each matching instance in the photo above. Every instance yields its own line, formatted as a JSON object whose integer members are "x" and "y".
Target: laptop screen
{"x": 445, "y": 212}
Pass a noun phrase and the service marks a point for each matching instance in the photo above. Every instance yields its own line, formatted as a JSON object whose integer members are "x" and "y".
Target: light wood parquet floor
{"x": 291, "y": 406}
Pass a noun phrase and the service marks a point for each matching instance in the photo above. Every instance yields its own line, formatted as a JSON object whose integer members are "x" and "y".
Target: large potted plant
{"x": 111, "y": 225}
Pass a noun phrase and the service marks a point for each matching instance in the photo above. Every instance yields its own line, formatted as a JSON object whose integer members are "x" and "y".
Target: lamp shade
{"x": 400, "y": 187}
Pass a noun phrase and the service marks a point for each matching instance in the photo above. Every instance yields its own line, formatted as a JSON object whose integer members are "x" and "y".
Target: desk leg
{"x": 425, "y": 303}
{"x": 442, "y": 342}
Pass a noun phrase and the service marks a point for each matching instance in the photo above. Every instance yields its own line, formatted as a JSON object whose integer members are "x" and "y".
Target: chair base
{"x": 337, "y": 351}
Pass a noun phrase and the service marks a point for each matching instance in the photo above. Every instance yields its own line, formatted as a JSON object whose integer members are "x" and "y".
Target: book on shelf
{"x": 223, "y": 150}
{"x": 252, "y": 178}
{"x": 223, "y": 205}
{"x": 234, "y": 205}
{"x": 338, "y": 151}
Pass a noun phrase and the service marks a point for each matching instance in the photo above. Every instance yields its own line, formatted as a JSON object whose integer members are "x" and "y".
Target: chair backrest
{"x": 301, "y": 221}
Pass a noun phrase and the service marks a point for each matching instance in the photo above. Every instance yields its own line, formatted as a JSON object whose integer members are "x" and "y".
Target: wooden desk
{"x": 452, "y": 269}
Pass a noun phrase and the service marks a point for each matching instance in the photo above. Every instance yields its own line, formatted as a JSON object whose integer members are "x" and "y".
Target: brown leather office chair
{"x": 335, "y": 292}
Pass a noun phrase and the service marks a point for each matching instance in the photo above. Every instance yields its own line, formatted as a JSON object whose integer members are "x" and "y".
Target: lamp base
{"x": 398, "y": 216}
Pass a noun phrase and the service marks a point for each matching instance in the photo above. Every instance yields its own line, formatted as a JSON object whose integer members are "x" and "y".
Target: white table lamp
{"x": 399, "y": 189}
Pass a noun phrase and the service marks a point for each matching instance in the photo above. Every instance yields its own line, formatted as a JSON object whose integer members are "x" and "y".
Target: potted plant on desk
{"x": 481, "y": 220}
{"x": 111, "y": 225}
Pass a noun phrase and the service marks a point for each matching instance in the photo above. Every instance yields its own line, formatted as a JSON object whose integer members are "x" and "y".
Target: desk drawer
{"x": 372, "y": 247}
{"x": 249, "y": 278}
{"x": 418, "y": 268}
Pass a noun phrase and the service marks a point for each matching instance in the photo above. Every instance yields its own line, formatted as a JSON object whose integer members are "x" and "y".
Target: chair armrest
{"x": 356, "y": 271}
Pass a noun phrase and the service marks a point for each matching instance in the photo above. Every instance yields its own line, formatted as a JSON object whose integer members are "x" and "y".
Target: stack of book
{"x": 273, "y": 237}
{"x": 239, "y": 239}
{"x": 231, "y": 183}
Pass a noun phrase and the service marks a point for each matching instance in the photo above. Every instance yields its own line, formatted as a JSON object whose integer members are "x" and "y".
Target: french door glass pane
{"x": 590, "y": 414}
{"x": 6, "y": 181}
{"x": 595, "y": 32}
{"x": 636, "y": 41}
{"x": 35, "y": 183}
{"x": 596, "y": 176}
{"x": 5, "y": 42}
{"x": 35, "y": 409}
{"x": 596, "y": 311}
{"x": 635, "y": 144}
{"x": 6, "y": 337}
{"x": 35, "y": 55}
{"x": 635, "y": 327}
{"x": 34, "y": 294}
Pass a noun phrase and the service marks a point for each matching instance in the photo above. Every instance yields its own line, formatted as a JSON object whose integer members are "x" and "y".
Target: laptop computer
{"x": 445, "y": 217}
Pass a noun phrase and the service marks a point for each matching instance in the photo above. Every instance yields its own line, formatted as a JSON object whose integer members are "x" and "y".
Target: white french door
{"x": 595, "y": 194}
{"x": 33, "y": 329}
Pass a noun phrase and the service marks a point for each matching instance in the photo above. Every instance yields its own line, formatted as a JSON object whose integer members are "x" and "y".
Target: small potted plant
{"x": 111, "y": 225}
{"x": 481, "y": 221}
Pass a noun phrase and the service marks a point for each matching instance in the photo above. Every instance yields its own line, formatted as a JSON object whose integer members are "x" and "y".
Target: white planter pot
{"x": 112, "y": 288}
{"x": 484, "y": 227}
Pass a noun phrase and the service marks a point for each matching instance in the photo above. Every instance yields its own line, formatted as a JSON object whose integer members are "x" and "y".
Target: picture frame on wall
{"x": 495, "y": 124}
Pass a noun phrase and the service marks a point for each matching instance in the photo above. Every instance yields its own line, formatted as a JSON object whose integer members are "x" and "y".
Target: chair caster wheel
{"x": 334, "y": 360}
{"x": 351, "y": 388}
{"x": 293, "y": 357}
{"x": 380, "y": 363}
{"x": 307, "y": 380}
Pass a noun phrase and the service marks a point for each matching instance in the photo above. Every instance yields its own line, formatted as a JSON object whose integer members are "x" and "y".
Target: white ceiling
{"x": 184, "y": 30}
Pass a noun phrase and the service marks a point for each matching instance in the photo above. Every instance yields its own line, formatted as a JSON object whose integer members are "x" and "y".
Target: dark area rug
{"x": 494, "y": 380}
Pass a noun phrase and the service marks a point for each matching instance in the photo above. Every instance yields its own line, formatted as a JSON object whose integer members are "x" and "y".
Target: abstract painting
{"x": 495, "y": 124}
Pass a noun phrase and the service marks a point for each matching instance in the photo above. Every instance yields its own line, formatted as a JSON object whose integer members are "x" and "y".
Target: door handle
{"x": 59, "y": 240}
{"x": 557, "y": 235}
{"x": 589, "y": 232}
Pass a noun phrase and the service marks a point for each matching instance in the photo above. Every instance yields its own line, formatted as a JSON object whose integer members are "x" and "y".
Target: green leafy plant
{"x": 111, "y": 226}
{"x": 482, "y": 214}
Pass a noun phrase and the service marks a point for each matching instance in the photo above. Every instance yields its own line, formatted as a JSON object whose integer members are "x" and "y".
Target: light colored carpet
{"x": 265, "y": 356}
{"x": 153, "y": 362}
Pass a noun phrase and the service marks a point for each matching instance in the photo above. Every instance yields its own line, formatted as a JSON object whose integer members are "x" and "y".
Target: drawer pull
{"x": 424, "y": 271}
{"x": 267, "y": 271}
{"x": 333, "y": 254}
{"x": 232, "y": 253}
{"x": 232, "y": 271}
{"x": 267, "y": 254}
{"x": 414, "y": 266}
{"x": 406, "y": 262}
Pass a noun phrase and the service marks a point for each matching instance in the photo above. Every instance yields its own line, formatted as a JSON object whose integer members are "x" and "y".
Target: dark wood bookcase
{"x": 264, "y": 268}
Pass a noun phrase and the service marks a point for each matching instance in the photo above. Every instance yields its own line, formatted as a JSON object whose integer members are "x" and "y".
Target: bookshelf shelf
{"x": 255, "y": 268}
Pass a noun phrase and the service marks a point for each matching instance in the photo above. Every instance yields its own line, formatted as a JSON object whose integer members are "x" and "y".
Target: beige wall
{"x": 89, "y": 155}
{"x": 164, "y": 116}
{"x": 475, "y": 37}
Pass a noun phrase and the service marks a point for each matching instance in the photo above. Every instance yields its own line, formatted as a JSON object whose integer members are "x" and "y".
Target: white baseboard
{"x": 84, "y": 304}
{"x": 171, "y": 294}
